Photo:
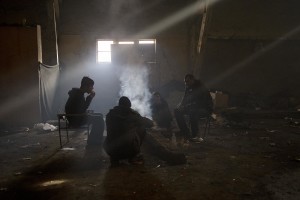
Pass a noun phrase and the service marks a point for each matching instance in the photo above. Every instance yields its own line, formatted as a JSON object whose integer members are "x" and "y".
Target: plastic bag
{"x": 45, "y": 127}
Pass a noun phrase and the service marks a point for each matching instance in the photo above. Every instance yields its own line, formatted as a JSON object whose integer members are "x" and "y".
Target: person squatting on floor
{"x": 196, "y": 103}
{"x": 77, "y": 103}
{"x": 126, "y": 130}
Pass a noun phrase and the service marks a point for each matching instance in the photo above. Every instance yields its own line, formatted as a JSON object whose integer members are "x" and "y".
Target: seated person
{"x": 160, "y": 111}
{"x": 126, "y": 129}
{"x": 77, "y": 103}
{"x": 196, "y": 103}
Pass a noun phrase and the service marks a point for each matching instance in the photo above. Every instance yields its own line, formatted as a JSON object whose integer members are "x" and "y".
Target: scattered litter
{"x": 272, "y": 131}
{"x": 26, "y": 129}
{"x": 197, "y": 139}
{"x": 3, "y": 189}
{"x": 297, "y": 159}
{"x": 26, "y": 158}
{"x": 30, "y": 145}
{"x": 68, "y": 149}
{"x": 292, "y": 122}
{"x": 272, "y": 144}
{"x": 93, "y": 185}
{"x": 16, "y": 130}
{"x": 17, "y": 173}
{"x": 214, "y": 116}
{"x": 264, "y": 138}
{"x": 157, "y": 166}
{"x": 44, "y": 127}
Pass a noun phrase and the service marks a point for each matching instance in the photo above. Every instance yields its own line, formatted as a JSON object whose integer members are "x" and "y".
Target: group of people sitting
{"x": 126, "y": 128}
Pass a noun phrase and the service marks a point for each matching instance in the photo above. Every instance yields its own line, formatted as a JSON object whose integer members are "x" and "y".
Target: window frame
{"x": 121, "y": 42}
{"x": 98, "y": 61}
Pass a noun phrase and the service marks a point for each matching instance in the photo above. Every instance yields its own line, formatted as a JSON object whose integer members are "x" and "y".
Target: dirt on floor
{"x": 257, "y": 161}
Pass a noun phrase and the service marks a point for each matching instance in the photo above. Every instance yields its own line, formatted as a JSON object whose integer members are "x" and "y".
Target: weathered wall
{"x": 252, "y": 47}
{"x": 30, "y": 14}
{"x": 18, "y": 76}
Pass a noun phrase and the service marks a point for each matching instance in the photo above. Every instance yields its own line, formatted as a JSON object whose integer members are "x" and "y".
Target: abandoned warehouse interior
{"x": 246, "y": 53}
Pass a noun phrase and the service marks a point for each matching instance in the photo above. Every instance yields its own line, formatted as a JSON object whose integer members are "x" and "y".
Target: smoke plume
{"x": 134, "y": 85}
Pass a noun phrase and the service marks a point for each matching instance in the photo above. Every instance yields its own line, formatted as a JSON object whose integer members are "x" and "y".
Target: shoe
{"x": 196, "y": 139}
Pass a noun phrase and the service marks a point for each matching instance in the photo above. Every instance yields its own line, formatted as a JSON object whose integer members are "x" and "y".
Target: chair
{"x": 63, "y": 117}
{"x": 207, "y": 124}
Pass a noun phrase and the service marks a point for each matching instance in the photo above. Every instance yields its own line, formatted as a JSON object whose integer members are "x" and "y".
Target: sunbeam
{"x": 174, "y": 19}
{"x": 253, "y": 57}
{"x": 13, "y": 104}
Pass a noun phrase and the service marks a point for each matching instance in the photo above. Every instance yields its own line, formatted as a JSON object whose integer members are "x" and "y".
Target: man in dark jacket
{"x": 126, "y": 129}
{"x": 77, "y": 105}
{"x": 196, "y": 103}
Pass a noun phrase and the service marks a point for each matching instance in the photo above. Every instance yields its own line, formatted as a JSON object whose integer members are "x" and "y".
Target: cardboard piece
{"x": 220, "y": 99}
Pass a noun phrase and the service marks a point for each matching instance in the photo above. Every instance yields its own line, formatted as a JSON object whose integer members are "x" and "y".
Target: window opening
{"x": 104, "y": 51}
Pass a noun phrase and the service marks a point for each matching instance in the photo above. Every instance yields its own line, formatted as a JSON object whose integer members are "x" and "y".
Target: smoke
{"x": 134, "y": 85}
{"x": 116, "y": 6}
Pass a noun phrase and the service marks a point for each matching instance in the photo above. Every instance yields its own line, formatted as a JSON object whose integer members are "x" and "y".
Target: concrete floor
{"x": 261, "y": 161}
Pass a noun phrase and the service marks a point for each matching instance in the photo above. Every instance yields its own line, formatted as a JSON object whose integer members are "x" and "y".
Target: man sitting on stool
{"x": 77, "y": 103}
{"x": 196, "y": 103}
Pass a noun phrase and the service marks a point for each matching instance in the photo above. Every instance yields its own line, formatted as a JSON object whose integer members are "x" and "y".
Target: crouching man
{"x": 126, "y": 130}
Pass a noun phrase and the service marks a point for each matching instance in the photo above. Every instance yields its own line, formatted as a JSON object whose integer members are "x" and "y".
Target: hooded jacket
{"x": 122, "y": 125}
{"x": 77, "y": 104}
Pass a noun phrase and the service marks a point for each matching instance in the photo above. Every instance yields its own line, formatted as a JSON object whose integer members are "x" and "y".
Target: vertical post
{"x": 55, "y": 30}
{"x": 59, "y": 130}
{"x": 203, "y": 24}
{"x": 201, "y": 39}
{"x": 39, "y": 43}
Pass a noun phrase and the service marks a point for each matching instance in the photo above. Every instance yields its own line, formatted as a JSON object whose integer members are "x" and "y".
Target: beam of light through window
{"x": 194, "y": 8}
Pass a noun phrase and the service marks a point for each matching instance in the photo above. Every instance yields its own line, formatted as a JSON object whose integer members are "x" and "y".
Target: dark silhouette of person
{"x": 196, "y": 103}
{"x": 160, "y": 111}
{"x": 126, "y": 130}
{"x": 77, "y": 105}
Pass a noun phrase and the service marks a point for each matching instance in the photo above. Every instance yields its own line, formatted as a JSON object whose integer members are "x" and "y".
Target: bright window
{"x": 147, "y": 48}
{"x": 126, "y": 42}
{"x": 104, "y": 51}
{"x": 151, "y": 41}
